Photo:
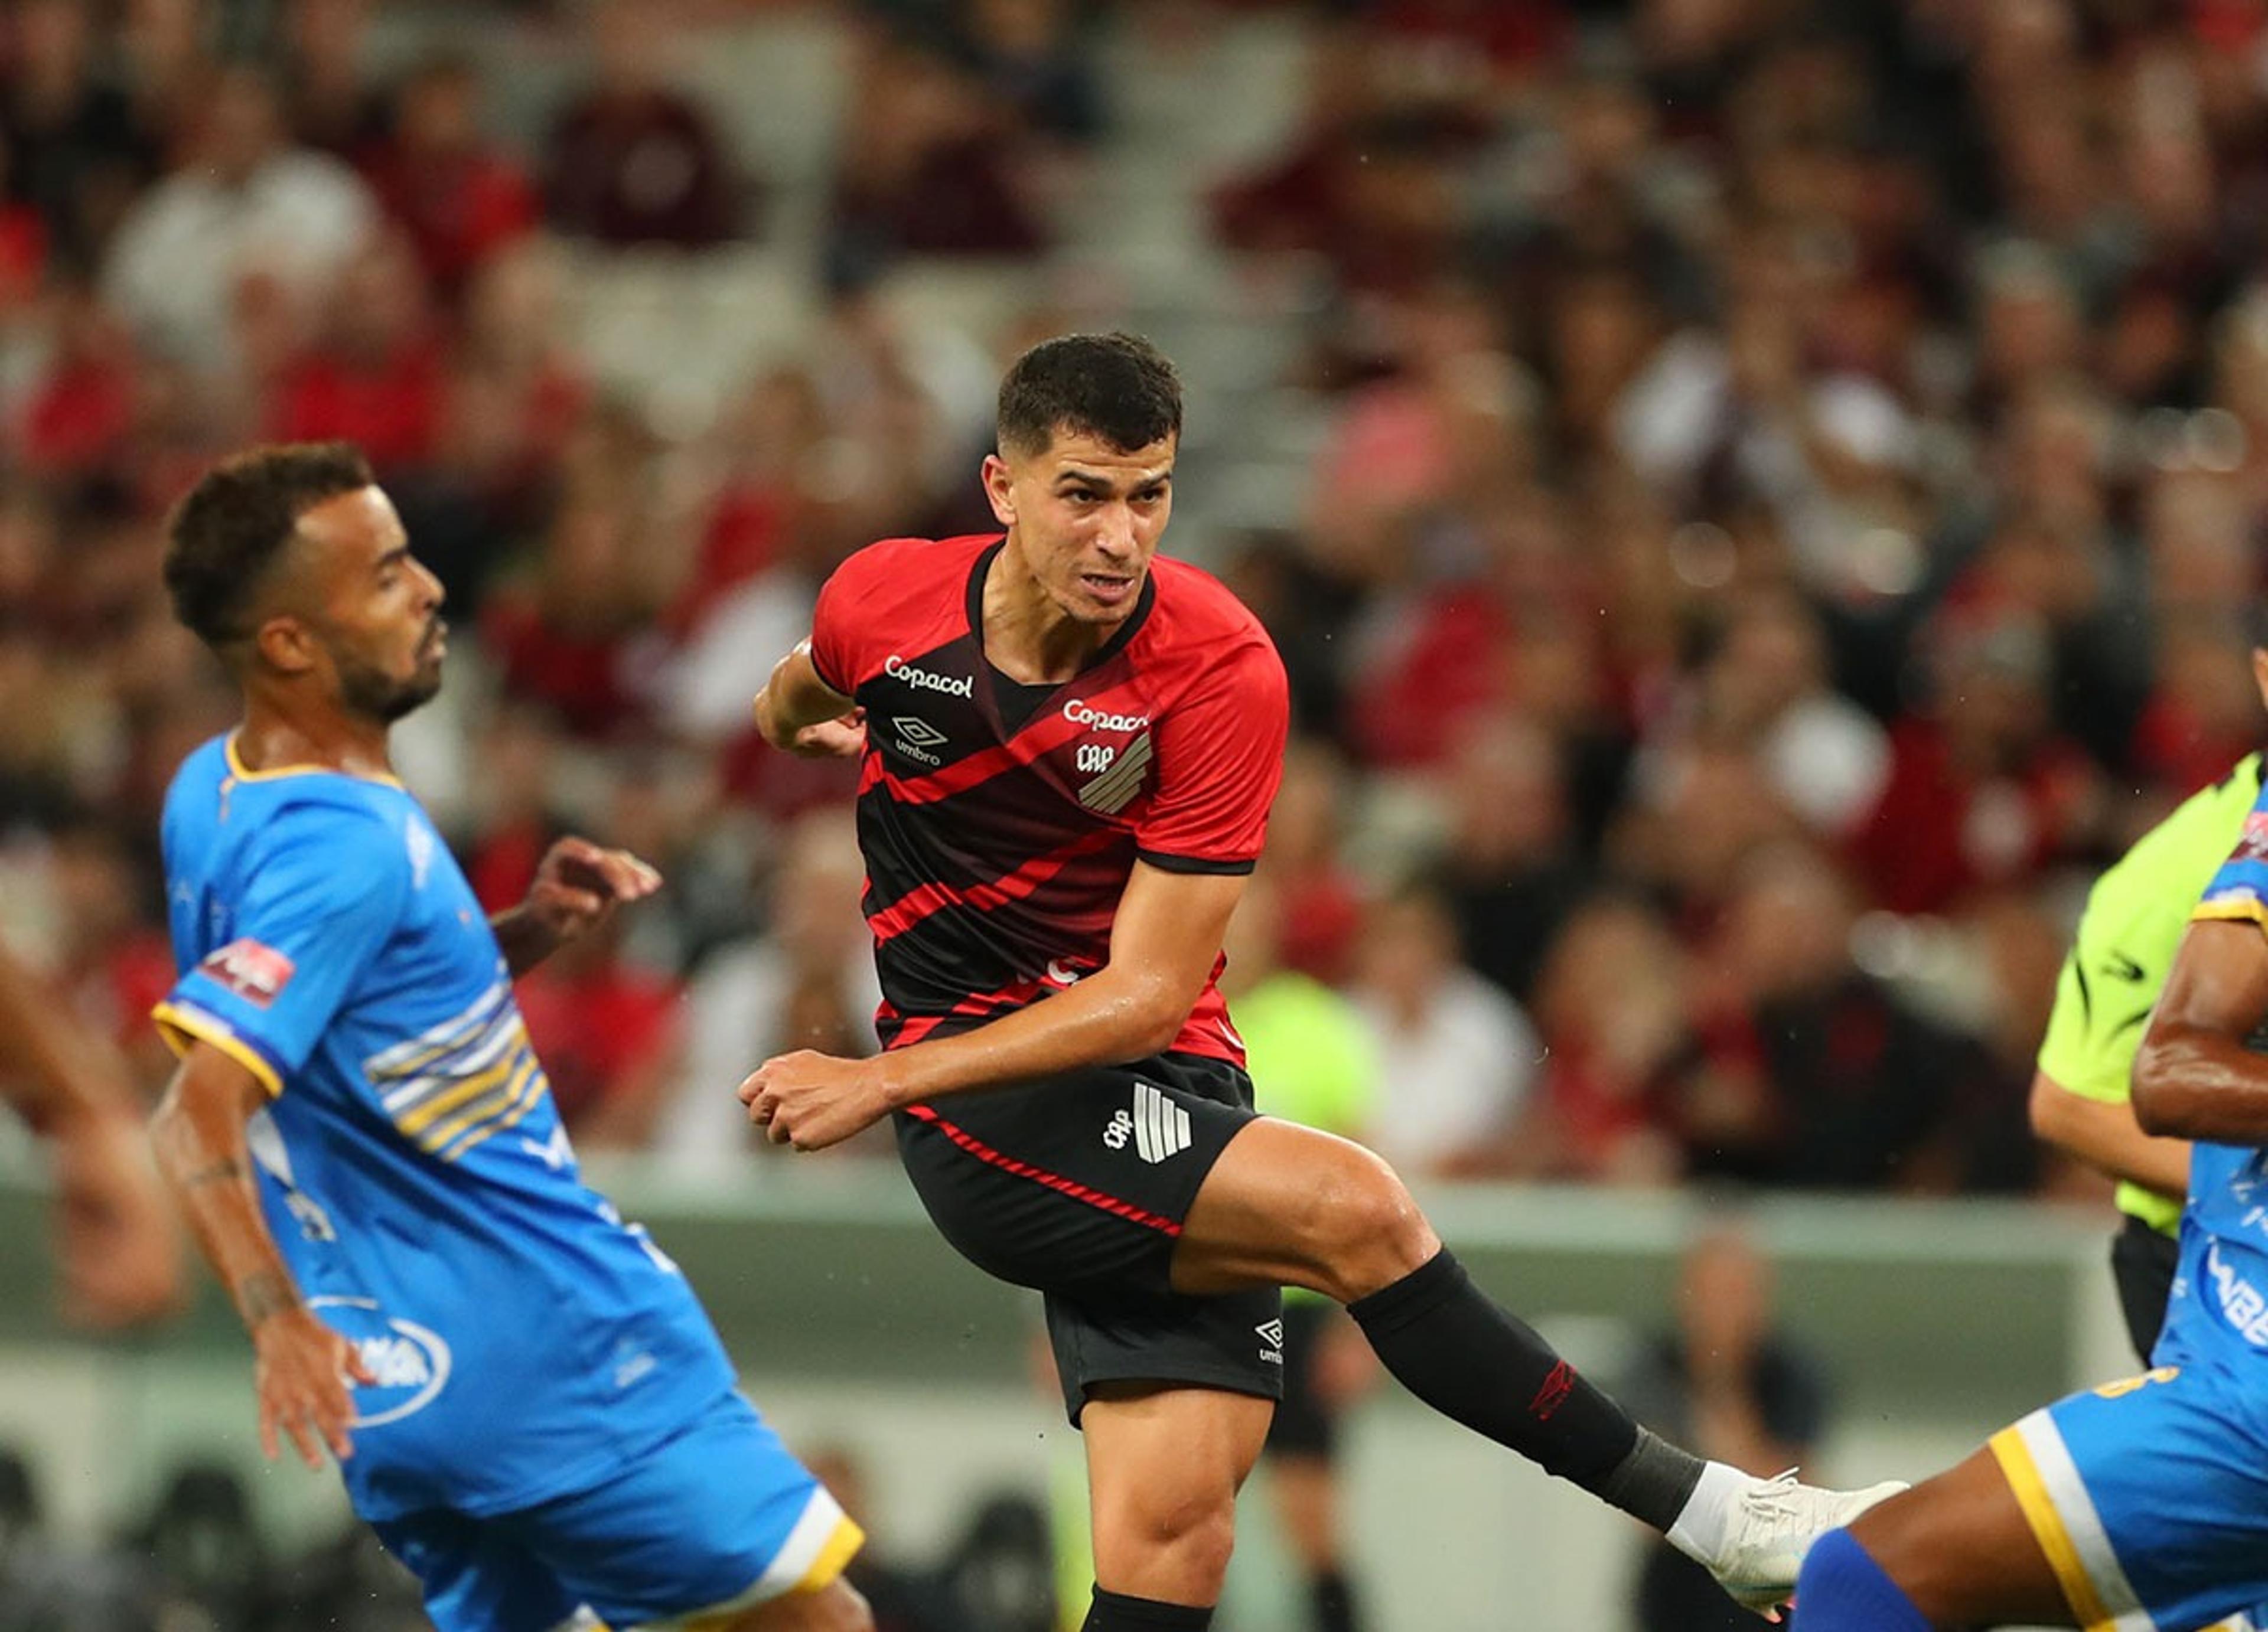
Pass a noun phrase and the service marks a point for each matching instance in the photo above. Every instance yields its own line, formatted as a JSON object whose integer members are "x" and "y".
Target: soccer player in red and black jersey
{"x": 1069, "y": 744}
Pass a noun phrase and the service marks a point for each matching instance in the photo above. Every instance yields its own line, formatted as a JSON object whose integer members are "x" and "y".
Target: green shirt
{"x": 2134, "y": 918}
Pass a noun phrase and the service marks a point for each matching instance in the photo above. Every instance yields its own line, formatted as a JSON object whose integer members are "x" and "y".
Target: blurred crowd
{"x": 1785, "y": 507}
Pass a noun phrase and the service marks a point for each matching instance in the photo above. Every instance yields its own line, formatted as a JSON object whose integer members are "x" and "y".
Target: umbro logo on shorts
{"x": 1158, "y": 1127}
{"x": 1271, "y": 1333}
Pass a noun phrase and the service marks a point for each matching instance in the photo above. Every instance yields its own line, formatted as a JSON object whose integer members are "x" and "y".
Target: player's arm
{"x": 302, "y": 1365}
{"x": 2194, "y": 1076}
{"x": 2104, "y": 1135}
{"x": 117, "y": 1243}
{"x": 799, "y": 712}
{"x": 578, "y": 886}
{"x": 1163, "y": 944}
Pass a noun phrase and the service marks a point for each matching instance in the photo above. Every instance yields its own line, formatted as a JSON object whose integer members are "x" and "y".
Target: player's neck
{"x": 1026, "y": 635}
{"x": 276, "y": 736}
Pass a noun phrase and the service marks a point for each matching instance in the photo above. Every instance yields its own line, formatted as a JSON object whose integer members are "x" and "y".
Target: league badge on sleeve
{"x": 256, "y": 973}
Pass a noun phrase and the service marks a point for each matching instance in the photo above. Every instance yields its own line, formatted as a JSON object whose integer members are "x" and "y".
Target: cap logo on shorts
{"x": 1158, "y": 1127}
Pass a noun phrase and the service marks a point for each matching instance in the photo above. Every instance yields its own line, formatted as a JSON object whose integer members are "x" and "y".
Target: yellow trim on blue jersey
{"x": 441, "y": 1104}
{"x": 238, "y": 771}
{"x": 524, "y": 1094}
{"x": 2249, "y": 908}
{"x": 180, "y": 1027}
{"x": 840, "y": 1547}
{"x": 2023, "y": 1476}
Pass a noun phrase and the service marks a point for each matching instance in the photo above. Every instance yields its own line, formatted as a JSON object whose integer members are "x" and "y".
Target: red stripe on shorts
{"x": 1070, "y": 1187}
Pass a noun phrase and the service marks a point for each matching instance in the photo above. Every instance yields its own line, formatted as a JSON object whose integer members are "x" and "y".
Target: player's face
{"x": 1087, "y": 518}
{"x": 379, "y": 619}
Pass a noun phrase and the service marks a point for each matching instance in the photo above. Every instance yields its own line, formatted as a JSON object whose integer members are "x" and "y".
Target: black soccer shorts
{"x": 1078, "y": 1187}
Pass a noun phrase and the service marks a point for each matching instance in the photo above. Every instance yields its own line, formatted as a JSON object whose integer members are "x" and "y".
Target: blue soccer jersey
{"x": 526, "y": 1342}
{"x": 2149, "y": 1497}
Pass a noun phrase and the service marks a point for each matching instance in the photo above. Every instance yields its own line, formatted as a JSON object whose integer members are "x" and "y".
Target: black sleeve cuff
{"x": 825, "y": 679}
{"x": 1195, "y": 864}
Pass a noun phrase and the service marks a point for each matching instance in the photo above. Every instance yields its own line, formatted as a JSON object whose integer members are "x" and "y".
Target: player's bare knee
{"x": 1369, "y": 1232}
{"x": 1196, "y": 1529}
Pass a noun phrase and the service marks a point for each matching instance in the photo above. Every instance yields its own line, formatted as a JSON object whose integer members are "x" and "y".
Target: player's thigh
{"x": 2147, "y": 1498}
{"x": 1959, "y": 1547}
{"x": 476, "y": 1577}
{"x": 1286, "y": 1205}
{"x": 706, "y": 1528}
{"x": 1164, "y": 1466}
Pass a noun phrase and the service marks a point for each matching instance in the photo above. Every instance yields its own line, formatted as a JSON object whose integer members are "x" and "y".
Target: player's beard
{"x": 376, "y": 695}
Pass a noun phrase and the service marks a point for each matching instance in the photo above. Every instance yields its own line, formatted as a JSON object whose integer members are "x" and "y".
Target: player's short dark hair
{"x": 222, "y": 537}
{"x": 1118, "y": 387}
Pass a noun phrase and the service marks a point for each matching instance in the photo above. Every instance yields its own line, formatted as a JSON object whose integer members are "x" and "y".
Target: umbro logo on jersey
{"x": 917, "y": 729}
{"x": 1158, "y": 1127}
{"x": 1113, "y": 790}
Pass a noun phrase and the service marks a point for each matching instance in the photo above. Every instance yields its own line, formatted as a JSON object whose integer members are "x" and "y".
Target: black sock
{"x": 1334, "y": 1601}
{"x": 1469, "y": 1360}
{"x": 1114, "y": 1612}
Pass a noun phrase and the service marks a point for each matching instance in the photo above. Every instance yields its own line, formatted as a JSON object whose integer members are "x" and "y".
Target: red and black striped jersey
{"x": 1001, "y": 821}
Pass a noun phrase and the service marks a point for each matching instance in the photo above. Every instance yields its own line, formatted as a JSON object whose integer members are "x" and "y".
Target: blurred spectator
{"x": 807, "y": 982}
{"x": 1319, "y": 907}
{"x": 1463, "y": 1057}
{"x": 630, "y": 160}
{"x": 1817, "y": 1075}
{"x": 566, "y": 634}
{"x": 329, "y": 102}
{"x": 240, "y": 205}
{"x": 1032, "y": 56}
{"x": 1616, "y": 1045}
{"x": 609, "y": 1035}
{"x": 460, "y": 200}
{"x": 1728, "y": 1382}
{"x": 1982, "y": 790}
{"x": 1513, "y": 870}
{"x": 929, "y": 166}
{"x": 374, "y": 375}
{"x": 78, "y": 149}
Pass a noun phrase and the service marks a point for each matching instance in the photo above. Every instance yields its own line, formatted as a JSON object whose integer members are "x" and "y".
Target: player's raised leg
{"x": 1286, "y": 1204}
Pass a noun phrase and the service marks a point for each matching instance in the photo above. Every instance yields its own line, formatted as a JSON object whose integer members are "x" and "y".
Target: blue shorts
{"x": 716, "y": 1519}
{"x": 2149, "y": 1497}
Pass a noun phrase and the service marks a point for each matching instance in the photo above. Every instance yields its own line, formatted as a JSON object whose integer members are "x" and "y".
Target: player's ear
{"x": 2260, "y": 672}
{"x": 285, "y": 644}
{"x": 1000, "y": 489}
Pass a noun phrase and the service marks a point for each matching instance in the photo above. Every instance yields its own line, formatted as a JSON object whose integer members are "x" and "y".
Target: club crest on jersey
{"x": 256, "y": 973}
{"x": 1117, "y": 775}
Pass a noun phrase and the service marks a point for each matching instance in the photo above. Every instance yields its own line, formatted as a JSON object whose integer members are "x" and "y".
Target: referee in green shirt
{"x": 2134, "y": 918}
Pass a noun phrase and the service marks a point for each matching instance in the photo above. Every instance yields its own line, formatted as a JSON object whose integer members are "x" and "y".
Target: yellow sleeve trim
{"x": 2250, "y": 908}
{"x": 181, "y": 1027}
{"x": 833, "y": 1558}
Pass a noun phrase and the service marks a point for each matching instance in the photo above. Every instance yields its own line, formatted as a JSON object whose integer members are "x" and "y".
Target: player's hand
{"x": 813, "y": 1100}
{"x": 301, "y": 1374}
{"x": 840, "y": 738}
{"x": 578, "y": 885}
{"x": 116, "y": 1241}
